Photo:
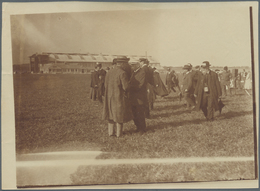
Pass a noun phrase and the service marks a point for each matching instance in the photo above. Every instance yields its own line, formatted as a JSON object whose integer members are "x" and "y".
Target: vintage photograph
{"x": 156, "y": 94}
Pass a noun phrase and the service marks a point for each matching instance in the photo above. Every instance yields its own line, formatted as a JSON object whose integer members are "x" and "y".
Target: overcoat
{"x": 138, "y": 87}
{"x": 151, "y": 96}
{"x": 94, "y": 79}
{"x": 225, "y": 78}
{"x": 116, "y": 102}
{"x": 94, "y": 84}
{"x": 101, "y": 76}
{"x": 214, "y": 89}
{"x": 159, "y": 87}
{"x": 188, "y": 82}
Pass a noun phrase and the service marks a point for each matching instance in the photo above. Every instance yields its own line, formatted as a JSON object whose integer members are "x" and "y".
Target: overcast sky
{"x": 177, "y": 36}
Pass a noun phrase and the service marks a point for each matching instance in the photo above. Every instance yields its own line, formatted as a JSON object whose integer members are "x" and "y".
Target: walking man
{"x": 188, "y": 89}
{"x": 117, "y": 108}
{"x": 208, "y": 91}
{"x": 225, "y": 78}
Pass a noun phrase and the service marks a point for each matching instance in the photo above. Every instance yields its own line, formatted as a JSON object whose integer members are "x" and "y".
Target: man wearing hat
{"x": 94, "y": 84}
{"x": 225, "y": 78}
{"x": 101, "y": 75}
{"x": 117, "y": 109}
{"x": 138, "y": 93}
{"x": 144, "y": 63}
{"x": 187, "y": 88}
{"x": 208, "y": 91}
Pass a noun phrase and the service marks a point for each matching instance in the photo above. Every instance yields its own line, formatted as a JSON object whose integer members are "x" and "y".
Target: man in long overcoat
{"x": 144, "y": 63}
{"x": 138, "y": 95}
{"x": 188, "y": 86}
{"x": 117, "y": 109}
{"x": 94, "y": 84}
{"x": 101, "y": 76}
{"x": 208, "y": 91}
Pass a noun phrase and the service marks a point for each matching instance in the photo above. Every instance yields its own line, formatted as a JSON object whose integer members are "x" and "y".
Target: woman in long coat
{"x": 117, "y": 108}
{"x": 208, "y": 91}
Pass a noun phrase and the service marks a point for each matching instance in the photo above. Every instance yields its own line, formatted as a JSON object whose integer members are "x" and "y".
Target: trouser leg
{"x": 139, "y": 117}
{"x": 147, "y": 110}
{"x": 224, "y": 91}
{"x": 210, "y": 114}
{"x": 119, "y": 129}
{"x": 111, "y": 128}
{"x": 204, "y": 105}
{"x": 151, "y": 105}
{"x": 189, "y": 99}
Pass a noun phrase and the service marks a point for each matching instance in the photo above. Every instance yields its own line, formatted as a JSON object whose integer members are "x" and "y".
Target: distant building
{"x": 76, "y": 63}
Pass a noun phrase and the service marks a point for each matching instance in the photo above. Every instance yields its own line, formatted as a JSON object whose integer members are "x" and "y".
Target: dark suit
{"x": 94, "y": 84}
{"x": 138, "y": 97}
{"x": 102, "y": 76}
{"x": 188, "y": 88}
{"x": 208, "y": 101}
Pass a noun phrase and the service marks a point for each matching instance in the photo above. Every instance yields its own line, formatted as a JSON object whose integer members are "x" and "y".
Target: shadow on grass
{"x": 232, "y": 114}
{"x": 172, "y": 114}
{"x": 164, "y": 108}
{"x": 163, "y": 125}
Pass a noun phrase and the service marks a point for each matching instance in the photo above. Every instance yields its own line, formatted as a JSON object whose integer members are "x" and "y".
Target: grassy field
{"x": 55, "y": 113}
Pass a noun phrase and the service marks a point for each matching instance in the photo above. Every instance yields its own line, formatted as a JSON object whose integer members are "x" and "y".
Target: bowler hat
{"x": 225, "y": 68}
{"x": 186, "y": 67}
{"x": 197, "y": 66}
{"x": 205, "y": 64}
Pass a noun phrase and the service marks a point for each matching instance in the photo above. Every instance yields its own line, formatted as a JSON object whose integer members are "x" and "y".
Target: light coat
{"x": 116, "y": 102}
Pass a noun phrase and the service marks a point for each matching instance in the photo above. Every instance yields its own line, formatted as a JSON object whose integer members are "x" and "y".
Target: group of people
{"x": 200, "y": 88}
{"x": 129, "y": 91}
{"x": 232, "y": 81}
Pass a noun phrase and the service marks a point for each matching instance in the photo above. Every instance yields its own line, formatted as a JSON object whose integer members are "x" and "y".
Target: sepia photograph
{"x": 137, "y": 93}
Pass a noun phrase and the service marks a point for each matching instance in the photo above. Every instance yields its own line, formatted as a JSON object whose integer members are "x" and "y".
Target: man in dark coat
{"x": 144, "y": 63}
{"x": 188, "y": 87}
{"x": 138, "y": 95}
{"x": 101, "y": 76}
{"x": 94, "y": 84}
{"x": 208, "y": 91}
{"x": 117, "y": 109}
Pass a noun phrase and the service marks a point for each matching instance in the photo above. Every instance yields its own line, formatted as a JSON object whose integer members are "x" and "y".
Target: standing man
{"x": 225, "y": 79}
{"x": 208, "y": 91}
{"x": 117, "y": 109}
{"x": 138, "y": 94}
{"x": 144, "y": 63}
{"x": 188, "y": 87}
{"x": 101, "y": 75}
{"x": 94, "y": 84}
